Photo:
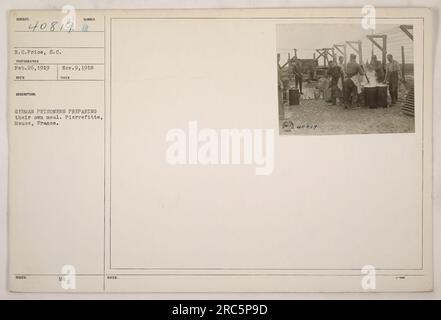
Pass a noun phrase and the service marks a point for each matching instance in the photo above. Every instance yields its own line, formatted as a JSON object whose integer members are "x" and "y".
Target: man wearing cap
{"x": 392, "y": 77}
{"x": 298, "y": 74}
{"x": 377, "y": 66}
{"x": 335, "y": 73}
{"x": 352, "y": 82}
{"x": 342, "y": 66}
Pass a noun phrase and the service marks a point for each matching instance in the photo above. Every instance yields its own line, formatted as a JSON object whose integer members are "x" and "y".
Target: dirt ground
{"x": 315, "y": 117}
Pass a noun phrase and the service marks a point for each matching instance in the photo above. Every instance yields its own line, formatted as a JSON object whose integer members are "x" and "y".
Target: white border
{"x": 6, "y": 5}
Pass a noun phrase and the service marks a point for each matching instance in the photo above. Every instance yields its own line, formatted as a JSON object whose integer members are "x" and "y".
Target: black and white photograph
{"x": 345, "y": 79}
{"x": 280, "y": 151}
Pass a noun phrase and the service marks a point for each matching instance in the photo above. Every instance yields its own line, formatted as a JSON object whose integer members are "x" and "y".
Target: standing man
{"x": 342, "y": 66}
{"x": 280, "y": 89}
{"x": 298, "y": 74}
{"x": 286, "y": 78}
{"x": 335, "y": 72}
{"x": 392, "y": 77}
{"x": 352, "y": 82}
{"x": 377, "y": 66}
{"x": 311, "y": 71}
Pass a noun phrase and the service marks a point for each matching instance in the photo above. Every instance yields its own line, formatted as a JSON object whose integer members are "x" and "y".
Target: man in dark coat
{"x": 335, "y": 73}
{"x": 297, "y": 72}
{"x": 377, "y": 66}
{"x": 353, "y": 69}
{"x": 392, "y": 77}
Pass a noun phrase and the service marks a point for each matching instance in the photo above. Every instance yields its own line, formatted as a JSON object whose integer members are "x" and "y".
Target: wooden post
{"x": 405, "y": 29}
{"x": 341, "y": 48}
{"x": 360, "y": 52}
{"x": 324, "y": 52}
{"x": 345, "y": 55}
{"x": 357, "y": 49}
{"x": 382, "y": 47}
{"x": 403, "y": 62}
{"x": 289, "y": 58}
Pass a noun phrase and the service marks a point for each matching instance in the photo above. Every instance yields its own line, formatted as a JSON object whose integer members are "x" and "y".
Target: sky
{"x": 308, "y": 37}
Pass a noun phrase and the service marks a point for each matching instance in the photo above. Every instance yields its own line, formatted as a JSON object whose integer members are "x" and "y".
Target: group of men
{"x": 344, "y": 78}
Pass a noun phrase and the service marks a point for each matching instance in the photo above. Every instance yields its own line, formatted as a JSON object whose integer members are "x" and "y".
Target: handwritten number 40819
{"x": 51, "y": 26}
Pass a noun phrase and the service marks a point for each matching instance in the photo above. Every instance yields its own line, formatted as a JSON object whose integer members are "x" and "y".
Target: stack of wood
{"x": 408, "y": 107}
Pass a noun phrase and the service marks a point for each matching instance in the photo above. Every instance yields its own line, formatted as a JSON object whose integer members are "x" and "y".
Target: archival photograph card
{"x": 252, "y": 150}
